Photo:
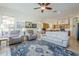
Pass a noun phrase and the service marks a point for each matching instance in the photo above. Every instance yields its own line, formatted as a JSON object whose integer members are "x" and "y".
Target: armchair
{"x": 14, "y": 37}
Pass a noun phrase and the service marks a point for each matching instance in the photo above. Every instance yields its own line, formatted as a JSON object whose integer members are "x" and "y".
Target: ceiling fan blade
{"x": 40, "y": 4}
{"x": 46, "y": 4}
{"x": 42, "y": 11}
{"x": 43, "y": 3}
{"x": 49, "y": 8}
{"x": 37, "y": 8}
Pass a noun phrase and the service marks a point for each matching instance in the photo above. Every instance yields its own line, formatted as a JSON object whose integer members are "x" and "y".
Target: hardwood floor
{"x": 5, "y": 51}
{"x": 73, "y": 44}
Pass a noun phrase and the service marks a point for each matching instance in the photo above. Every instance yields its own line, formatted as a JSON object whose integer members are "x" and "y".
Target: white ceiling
{"x": 26, "y": 11}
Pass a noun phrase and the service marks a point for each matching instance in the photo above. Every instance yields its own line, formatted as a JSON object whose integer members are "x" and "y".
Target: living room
{"x": 39, "y": 29}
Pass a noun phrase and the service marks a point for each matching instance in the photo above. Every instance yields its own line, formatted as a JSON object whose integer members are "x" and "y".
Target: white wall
{"x": 75, "y": 20}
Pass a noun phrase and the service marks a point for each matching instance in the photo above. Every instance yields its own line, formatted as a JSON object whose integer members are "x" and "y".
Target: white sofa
{"x": 58, "y": 37}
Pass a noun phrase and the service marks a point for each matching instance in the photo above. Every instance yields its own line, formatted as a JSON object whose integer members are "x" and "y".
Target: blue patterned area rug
{"x": 39, "y": 48}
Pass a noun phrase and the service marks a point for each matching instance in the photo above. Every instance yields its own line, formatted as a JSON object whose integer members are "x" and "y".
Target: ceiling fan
{"x": 43, "y": 7}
